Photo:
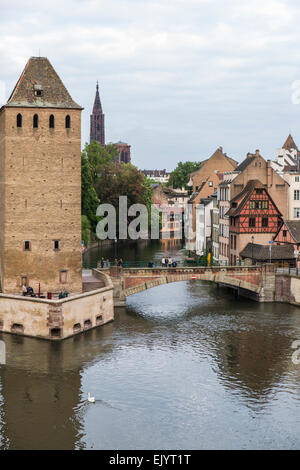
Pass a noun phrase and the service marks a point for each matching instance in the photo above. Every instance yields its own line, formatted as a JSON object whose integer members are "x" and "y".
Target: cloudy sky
{"x": 178, "y": 78}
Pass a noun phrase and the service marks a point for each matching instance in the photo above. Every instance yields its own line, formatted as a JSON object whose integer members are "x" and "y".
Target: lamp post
{"x": 252, "y": 239}
{"x": 116, "y": 241}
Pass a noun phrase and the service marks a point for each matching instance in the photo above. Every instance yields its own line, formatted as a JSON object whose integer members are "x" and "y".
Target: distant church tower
{"x": 40, "y": 184}
{"x": 97, "y": 121}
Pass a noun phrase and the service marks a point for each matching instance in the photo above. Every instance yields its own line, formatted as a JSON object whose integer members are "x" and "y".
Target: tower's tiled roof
{"x": 39, "y": 75}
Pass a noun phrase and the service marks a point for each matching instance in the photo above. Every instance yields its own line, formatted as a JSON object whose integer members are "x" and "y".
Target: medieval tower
{"x": 40, "y": 184}
{"x": 97, "y": 132}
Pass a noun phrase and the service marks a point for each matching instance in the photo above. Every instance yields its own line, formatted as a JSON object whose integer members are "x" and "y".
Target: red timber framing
{"x": 289, "y": 234}
{"x": 258, "y": 213}
{"x": 283, "y": 236}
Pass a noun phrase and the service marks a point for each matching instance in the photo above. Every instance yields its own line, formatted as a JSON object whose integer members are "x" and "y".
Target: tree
{"x": 89, "y": 199}
{"x": 179, "y": 177}
{"x": 85, "y": 230}
{"x": 97, "y": 155}
{"x": 123, "y": 180}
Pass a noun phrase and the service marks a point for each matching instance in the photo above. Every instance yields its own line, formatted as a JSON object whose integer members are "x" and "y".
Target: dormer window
{"x": 38, "y": 90}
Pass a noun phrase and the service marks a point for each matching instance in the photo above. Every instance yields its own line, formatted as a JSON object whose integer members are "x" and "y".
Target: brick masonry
{"x": 40, "y": 200}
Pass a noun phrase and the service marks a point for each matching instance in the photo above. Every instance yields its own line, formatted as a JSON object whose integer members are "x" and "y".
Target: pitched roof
{"x": 262, "y": 252}
{"x": 289, "y": 143}
{"x": 39, "y": 75}
{"x": 244, "y": 196}
{"x": 242, "y": 166}
{"x": 219, "y": 150}
{"x": 293, "y": 227}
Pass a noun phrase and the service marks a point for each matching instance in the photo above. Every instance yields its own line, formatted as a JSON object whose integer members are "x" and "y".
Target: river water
{"x": 183, "y": 366}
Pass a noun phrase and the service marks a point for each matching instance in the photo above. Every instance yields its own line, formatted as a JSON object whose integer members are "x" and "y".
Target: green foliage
{"x": 98, "y": 156}
{"x": 104, "y": 180}
{"x": 89, "y": 199}
{"x": 123, "y": 180}
{"x": 85, "y": 230}
{"x": 179, "y": 177}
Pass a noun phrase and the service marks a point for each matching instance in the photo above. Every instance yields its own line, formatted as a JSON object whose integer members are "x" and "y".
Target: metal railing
{"x": 292, "y": 271}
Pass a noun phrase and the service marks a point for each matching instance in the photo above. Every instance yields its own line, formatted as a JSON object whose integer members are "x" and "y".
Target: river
{"x": 183, "y": 366}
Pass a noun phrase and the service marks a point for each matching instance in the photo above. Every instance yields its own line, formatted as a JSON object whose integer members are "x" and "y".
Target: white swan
{"x": 91, "y": 399}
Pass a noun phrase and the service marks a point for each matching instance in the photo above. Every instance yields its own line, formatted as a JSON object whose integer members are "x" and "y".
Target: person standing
{"x": 170, "y": 262}
{"x": 163, "y": 261}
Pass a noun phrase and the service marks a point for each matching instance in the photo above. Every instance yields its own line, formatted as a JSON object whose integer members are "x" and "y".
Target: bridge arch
{"x": 250, "y": 281}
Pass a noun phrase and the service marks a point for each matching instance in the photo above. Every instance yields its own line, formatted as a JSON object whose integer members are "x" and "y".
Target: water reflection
{"x": 183, "y": 366}
{"x": 141, "y": 250}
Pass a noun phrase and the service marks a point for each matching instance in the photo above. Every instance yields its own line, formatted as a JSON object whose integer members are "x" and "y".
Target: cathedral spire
{"x": 97, "y": 120}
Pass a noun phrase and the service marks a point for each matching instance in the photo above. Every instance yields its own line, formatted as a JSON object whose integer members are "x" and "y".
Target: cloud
{"x": 177, "y": 78}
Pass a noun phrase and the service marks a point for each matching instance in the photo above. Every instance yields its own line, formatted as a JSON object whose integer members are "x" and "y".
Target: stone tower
{"x": 97, "y": 121}
{"x": 40, "y": 184}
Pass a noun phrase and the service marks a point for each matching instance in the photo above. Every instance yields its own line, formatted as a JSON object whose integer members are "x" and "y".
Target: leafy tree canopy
{"x": 179, "y": 177}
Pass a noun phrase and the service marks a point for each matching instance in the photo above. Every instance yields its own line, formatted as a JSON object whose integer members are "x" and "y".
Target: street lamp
{"x": 252, "y": 239}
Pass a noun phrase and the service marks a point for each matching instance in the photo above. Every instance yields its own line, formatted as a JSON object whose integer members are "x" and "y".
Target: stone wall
{"x": 40, "y": 200}
{"x": 57, "y": 319}
{"x": 257, "y": 280}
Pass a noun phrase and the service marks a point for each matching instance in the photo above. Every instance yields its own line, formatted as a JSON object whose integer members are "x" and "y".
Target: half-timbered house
{"x": 254, "y": 217}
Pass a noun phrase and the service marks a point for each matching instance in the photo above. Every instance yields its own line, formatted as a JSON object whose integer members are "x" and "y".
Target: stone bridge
{"x": 256, "y": 282}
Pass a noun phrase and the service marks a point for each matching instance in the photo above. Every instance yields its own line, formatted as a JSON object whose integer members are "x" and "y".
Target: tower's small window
{"x": 68, "y": 122}
{"x": 63, "y": 276}
{"x": 19, "y": 120}
{"x": 38, "y": 92}
{"x": 35, "y": 121}
{"x": 56, "y": 244}
{"x": 51, "y": 121}
{"x": 27, "y": 246}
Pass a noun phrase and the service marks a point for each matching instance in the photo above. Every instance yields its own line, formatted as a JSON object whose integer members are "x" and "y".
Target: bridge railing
{"x": 293, "y": 271}
{"x": 158, "y": 264}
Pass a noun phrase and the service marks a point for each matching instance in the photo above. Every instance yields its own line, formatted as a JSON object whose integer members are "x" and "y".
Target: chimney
{"x": 269, "y": 174}
{"x": 221, "y": 149}
{"x": 257, "y": 153}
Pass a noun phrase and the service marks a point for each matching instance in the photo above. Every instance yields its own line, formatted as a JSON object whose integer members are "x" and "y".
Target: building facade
{"x": 124, "y": 152}
{"x": 207, "y": 179}
{"x": 254, "y": 218}
{"x": 224, "y": 206}
{"x": 160, "y": 176}
{"x": 40, "y": 184}
{"x": 256, "y": 167}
